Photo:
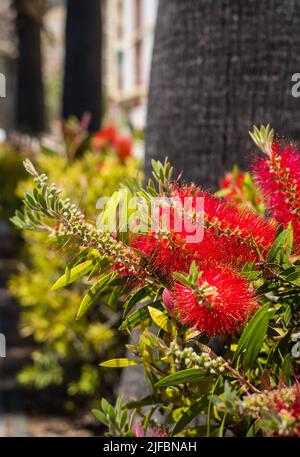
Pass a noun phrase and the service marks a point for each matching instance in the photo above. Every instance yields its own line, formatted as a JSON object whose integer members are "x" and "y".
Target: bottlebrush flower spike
{"x": 167, "y": 253}
{"x": 278, "y": 176}
{"x": 220, "y": 303}
{"x": 242, "y": 226}
{"x": 223, "y": 250}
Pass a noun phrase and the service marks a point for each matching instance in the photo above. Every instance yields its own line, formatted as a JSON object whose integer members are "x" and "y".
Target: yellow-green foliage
{"x": 70, "y": 350}
{"x": 12, "y": 171}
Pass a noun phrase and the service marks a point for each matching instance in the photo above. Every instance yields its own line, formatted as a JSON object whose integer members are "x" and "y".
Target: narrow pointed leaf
{"x": 75, "y": 273}
{"x": 92, "y": 295}
{"x": 119, "y": 363}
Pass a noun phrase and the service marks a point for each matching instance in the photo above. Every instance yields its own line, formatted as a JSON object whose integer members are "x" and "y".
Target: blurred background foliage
{"x": 68, "y": 350}
{"x": 12, "y": 171}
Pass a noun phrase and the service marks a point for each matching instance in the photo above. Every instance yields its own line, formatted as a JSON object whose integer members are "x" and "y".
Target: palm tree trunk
{"x": 30, "y": 108}
{"x": 218, "y": 67}
{"x": 82, "y": 81}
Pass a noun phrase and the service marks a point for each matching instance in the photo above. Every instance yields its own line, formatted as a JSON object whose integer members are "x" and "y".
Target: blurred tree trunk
{"x": 82, "y": 81}
{"x": 30, "y": 107}
{"x": 218, "y": 67}
{"x": 9, "y": 114}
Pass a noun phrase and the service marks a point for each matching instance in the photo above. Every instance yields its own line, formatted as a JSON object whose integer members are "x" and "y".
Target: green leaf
{"x": 135, "y": 318}
{"x": 161, "y": 320}
{"x": 106, "y": 221}
{"x": 157, "y": 166}
{"x": 75, "y": 273}
{"x": 114, "y": 297}
{"x": 135, "y": 298}
{"x": 183, "y": 278}
{"x": 263, "y": 138}
{"x": 188, "y": 416}
{"x": 119, "y": 363}
{"x": 124, "y": 419}
{"x": 255, "y": 343}
{"x": 251, "y": 431}
{"x": 189, "y": 375}
{"x": 287, "y": 316}
{"x": 252, "y": 337}
{"x": 222, "y": 426}
{"x": 100, "y": 416}
{"x": 105, "y": 406}
{"x": 287, "y": 367}
{"x": 252, "y": 275}
{"x": 283, "y": 244}
{"x": 223, "y": 193}
{"x": 92, "y": 295}
{"x": 138, "y": 316}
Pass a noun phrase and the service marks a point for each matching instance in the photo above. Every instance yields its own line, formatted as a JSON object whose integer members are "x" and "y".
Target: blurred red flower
{"x": 108, "y": 137}
{"x": 233, "y": 182}
{"x": 123, "y": 146}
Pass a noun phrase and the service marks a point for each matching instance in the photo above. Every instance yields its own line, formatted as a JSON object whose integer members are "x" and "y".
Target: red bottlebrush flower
{"x": 278, "y": 176}
{"x": 220, "y": 304}
{"x": 241, "y": 226}
{"x": 166, "y": 253}
{"x": 123, "y": 146}
{"x": 224, "y": 250}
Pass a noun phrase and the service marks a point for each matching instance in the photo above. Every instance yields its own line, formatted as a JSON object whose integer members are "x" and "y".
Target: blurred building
{"x": 8, "y": 42}
{"x": 8, "y": 52}
{"x": 128, "y": 27}
{"x": 128, "y": 42}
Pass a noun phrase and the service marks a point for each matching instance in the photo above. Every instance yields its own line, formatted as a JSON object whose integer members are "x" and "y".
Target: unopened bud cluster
{"x": 256, "y": 403}
{"x": 278, "y": 411}
{"x": 72, "y": 223}
{"x": 191, "y": 359}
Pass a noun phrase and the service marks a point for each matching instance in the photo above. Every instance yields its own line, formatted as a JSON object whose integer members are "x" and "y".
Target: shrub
{"x": 240, "y": 283}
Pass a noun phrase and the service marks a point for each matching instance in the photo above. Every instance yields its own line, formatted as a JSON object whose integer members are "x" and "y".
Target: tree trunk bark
{"x": 30, "y": 108}
{"x": 219, "y": 67}
{"x": 82, "y": 81}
